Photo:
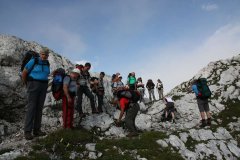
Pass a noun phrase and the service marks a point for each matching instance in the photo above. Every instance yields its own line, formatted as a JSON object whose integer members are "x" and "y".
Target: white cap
{"x": 75, "y": 70}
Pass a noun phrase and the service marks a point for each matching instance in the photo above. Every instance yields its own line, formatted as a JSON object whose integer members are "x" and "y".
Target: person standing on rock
{"x": 202, "y": 93}
{"x": 35, "y": 76}
{"x": 150, "y": 86}
{"x": 70, "y": 90}
{"x": 83, "y": 82}
{"x": 159, "y": 87}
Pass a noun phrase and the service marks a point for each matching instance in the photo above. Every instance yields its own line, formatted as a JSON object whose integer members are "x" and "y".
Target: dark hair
{"x": 113, "y": 76}
{"x": 102, "y": 73}
{"x": 87, "y": 64}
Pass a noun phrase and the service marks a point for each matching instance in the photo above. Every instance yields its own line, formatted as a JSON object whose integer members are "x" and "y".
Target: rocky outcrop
{"x": 12, "y": 49}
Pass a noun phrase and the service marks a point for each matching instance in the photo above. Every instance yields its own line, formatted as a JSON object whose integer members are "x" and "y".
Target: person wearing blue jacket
{"x": 35, "y": 77}
{"x": 202, "y": 105}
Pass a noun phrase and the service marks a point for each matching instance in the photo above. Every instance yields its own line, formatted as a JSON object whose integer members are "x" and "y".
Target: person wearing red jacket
{"x": 131, "y": 107}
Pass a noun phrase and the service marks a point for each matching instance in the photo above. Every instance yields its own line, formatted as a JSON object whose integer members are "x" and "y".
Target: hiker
{"x": 140, "y": 88}
{"x": 202, "y": 93}
{"x": 150, "y": 86}
{"x": 98, "y": 89}
{"x": 117, "y": 86}
{"x": 131, "y": 81}
{"x": 169, "y": 110}
{"x": 79, "y": 66}
{"x": 128, "y": 103}
{"x": 159, "y": 87}
{"x": 83, "y": 88}
{"x": 35, "y": 76}
{"x": 70, "y": 90}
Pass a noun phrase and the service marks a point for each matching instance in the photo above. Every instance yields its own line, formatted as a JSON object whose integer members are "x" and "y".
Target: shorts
{"x": 203, "y": 105}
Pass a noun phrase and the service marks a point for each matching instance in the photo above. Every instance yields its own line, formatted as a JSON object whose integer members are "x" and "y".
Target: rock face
{"x": 12, "y": 49}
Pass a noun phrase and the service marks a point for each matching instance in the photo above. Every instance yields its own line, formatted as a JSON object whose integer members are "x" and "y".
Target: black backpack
{"x": 133, "y": 95}
{"x": 27, "y": 57}
{"x": 203, "y": 88}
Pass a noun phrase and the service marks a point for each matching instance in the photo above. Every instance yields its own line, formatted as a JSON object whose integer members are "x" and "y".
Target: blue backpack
{"x": 57, "y": 83}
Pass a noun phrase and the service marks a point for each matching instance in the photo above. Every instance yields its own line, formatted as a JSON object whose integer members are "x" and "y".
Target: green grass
{"x": 145, "y": 144}
{"x": 61, "y": 143}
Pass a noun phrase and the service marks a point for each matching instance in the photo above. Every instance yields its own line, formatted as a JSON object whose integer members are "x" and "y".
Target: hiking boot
{"x": 209, "y": 121}
{"x": 173, "y": 121}
{"x": 203, "y": 121}
{"x": 132, "y": 134}
{"x": 39, "y": 133}
{"x": 28, "y": 136}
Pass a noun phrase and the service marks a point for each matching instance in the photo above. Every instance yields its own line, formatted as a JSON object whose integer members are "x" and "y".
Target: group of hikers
{"x": 67, "y": 86}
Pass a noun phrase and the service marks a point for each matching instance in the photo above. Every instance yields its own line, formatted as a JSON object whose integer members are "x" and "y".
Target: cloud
{"x": 68, "y": 43}
{"x": 209, "y": 7}
{"x": 178, "y": 62}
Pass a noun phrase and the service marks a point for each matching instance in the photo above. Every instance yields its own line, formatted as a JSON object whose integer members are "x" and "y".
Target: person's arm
{"x": 24, "y": 76}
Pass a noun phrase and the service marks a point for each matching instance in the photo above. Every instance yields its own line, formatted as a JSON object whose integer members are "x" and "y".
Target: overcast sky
{"x": 167, "y": 39}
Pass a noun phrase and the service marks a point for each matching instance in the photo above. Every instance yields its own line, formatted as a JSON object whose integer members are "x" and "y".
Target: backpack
{"x": 94, "y": 84}
{"x": 204, "y": 91}
{"x": 57, "y": 83}
{"x": 27, "y": 57}
{"x": 133, "y": 95}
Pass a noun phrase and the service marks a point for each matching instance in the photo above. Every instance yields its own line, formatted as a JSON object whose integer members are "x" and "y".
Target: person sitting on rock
{"x": 70, "y": 90}
{"x": 128, "y": 103}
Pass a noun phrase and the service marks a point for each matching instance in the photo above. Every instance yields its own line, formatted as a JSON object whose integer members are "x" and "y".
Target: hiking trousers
{"x": 68, "y": 111}
{"x": 100, "y": 101}
{"x": 160, "y": 93}
{"x": 36, "y": 94}
{"x": 87, "y": 92}
{"x": 151, "y": 93}
{"x": 203, "y": 105}
{"x": 131, "y": 114}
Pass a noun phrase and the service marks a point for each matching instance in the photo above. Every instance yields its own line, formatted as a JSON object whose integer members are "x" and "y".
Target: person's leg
{"x": 130, "y": 117}
{"x": 161, "y": 93}
{"x": 200, "y": 103}
{"x": 41, "y": 99}
{"x": 153, "y": 95}
{"x": 70, "y": 111}
{"x": 91, "y": 97}
{"x": 64, "y": 111}
{"x": 79, "y": 101}
{"x": 206, "y": 109}
{"x": 150, "y": 95}
{"x": 100, "y": 102}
